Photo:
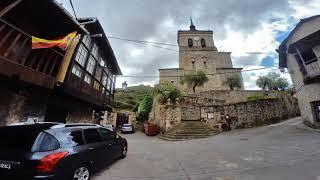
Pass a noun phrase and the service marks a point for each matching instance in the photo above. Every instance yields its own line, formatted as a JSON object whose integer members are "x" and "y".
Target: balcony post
{"x": 9, "y": 7}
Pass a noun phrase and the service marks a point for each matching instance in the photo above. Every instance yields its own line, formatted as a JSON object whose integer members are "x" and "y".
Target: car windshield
{"x": 126, "y": 125}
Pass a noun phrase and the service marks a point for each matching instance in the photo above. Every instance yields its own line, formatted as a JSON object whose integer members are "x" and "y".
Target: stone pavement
{"x": 287, "y": 150}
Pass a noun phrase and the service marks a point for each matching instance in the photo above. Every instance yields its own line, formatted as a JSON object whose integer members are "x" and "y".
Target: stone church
{"x": 197, "y": 52}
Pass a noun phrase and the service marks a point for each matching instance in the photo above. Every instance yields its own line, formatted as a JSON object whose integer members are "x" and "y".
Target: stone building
{"x": 300, "y": 53}
{"x": 197, "y": 52}
{"x": 52, "y": 84}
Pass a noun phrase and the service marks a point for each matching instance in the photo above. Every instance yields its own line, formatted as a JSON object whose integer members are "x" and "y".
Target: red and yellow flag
{"x": 63, "y": 43}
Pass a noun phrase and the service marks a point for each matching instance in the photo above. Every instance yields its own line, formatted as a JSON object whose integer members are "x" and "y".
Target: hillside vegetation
{"x": 127, "y": 99}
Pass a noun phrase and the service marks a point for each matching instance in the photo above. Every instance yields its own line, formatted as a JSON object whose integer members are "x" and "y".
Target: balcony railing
{"x": 312, "y": 67}
{"x": 38, "y": 67}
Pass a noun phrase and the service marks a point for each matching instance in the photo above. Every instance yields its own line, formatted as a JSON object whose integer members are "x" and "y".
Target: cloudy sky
{"x": 238, "y": 26}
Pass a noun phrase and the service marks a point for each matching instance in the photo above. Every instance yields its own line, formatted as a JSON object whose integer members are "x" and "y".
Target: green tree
{"x": 166, "y": 90}
{"x": 194, "y": 79}
{"x": 234, "y": 82}
{"x": 272, "y": 81}
{"x": 144, "y": 108}
{"x": 263, "y": 82}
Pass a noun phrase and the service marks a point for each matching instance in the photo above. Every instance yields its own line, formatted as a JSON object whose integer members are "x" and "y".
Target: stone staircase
{"x": 188, "y": 130}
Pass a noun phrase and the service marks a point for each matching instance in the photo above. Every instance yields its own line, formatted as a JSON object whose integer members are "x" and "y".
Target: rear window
{"x": 18, "y": 137}
{"x": 45, "y": 142}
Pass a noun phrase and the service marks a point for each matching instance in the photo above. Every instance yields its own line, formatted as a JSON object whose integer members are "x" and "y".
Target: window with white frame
{"x": 91, "y": 64}
{"x": 77, "y": 70}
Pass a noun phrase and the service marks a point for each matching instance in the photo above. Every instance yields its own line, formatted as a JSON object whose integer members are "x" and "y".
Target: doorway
{"x": 56, "y": 114}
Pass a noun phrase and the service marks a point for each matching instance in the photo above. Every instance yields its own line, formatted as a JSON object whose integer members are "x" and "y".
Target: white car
{"x": 127, "y": 128}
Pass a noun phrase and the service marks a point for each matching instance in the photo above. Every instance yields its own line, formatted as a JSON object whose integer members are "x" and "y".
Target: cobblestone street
{"x": 287, "y": 150}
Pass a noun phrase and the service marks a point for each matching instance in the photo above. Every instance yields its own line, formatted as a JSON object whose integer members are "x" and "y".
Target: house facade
{"x": 197, "y": 52}
{"x": 300, "y": 53}
{"x": 51, "y": 84}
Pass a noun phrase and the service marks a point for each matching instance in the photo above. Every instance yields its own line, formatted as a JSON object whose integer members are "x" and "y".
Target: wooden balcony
{"x": 84, "y": 91}
{"x": 311, "y": 71}
{"x": 18, "y": 60}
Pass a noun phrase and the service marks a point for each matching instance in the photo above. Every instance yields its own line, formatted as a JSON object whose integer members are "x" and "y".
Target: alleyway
{"x": 286, "y": 150}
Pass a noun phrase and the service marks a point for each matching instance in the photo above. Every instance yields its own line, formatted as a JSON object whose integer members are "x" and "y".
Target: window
{"x": 91, "y": 64}
{"x": 88, "y": 79}
{"x": 104, "y": 79}
{"x": 96, "y": 85}
{"x": 45, "y": 142}
{"x": 86, "y": 40}
{"x": 109, "y": 85}
{"x": 71, "y": 139}
{"x": 98, "y": 73}
{"x": 94, "y": 51}
{"x": 308, "y": 56}
{"x": 204, "y": 60}
{"x": 193, "y": 64}
{"x": 102, "y": 62}
{"x": 92, "y": 136}
{"x": 81, "y": 55}
{"x": 190, "y": 43}
{"x": 77, "y": 70}
{"x": 203, "y": 43}
{"x": 106, "y": 134}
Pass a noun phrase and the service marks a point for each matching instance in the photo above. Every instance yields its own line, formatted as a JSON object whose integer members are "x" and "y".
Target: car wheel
{"x": 124, "y": 152}
{"x": 81, "y": 173}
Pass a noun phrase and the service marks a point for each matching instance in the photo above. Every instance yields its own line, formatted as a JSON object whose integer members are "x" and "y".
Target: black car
{"x": 57, "y": 151}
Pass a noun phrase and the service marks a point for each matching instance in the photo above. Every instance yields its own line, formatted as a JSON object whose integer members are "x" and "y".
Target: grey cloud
{"x": 142, "y": 19}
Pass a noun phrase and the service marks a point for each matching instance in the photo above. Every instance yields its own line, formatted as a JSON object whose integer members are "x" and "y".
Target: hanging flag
{"x": 63, "y": 43}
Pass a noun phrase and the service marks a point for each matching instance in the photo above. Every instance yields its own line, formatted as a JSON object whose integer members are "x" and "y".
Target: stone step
{"x": 188, "y": 130}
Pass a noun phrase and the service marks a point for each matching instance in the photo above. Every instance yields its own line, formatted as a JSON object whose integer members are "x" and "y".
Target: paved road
{"x": 281, "y": 151}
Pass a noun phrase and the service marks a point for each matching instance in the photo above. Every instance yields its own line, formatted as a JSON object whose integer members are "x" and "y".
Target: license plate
{"x": 5, "y": 166}
{"x": 8, "y": 164}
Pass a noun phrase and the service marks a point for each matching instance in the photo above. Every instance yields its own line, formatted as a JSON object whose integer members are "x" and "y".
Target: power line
{"x": 156, "y": 44}
{"x": 211, "y": 74}
{"x": 141, "y": 41}
{"x": 72, "y": 7}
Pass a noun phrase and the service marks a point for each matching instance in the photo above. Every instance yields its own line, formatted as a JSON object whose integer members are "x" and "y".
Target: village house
{"x": 300, "y": 53}
{"x": 197, "y": 52}
{"x": 50, "y": 84}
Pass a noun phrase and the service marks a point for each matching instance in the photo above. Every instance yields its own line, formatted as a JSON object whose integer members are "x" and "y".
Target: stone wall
{"x": 212, "y": 107}
{"x": 31, "y": 105}
{"x": 81, "y": 114}
{"x": 250, "y": 114}
{"x": 165, "y": 115}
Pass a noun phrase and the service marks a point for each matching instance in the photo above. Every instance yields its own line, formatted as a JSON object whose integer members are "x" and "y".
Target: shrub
{"x": 144, "y": 108}
{"x": 259, "y": 97}
{"x": 166, "y": 90}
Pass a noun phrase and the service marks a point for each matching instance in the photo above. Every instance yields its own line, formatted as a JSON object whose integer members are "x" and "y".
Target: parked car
{"x": 57, "y": 151}
{"x": 110, "y": 127}
{"x": 127, "y": 128}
